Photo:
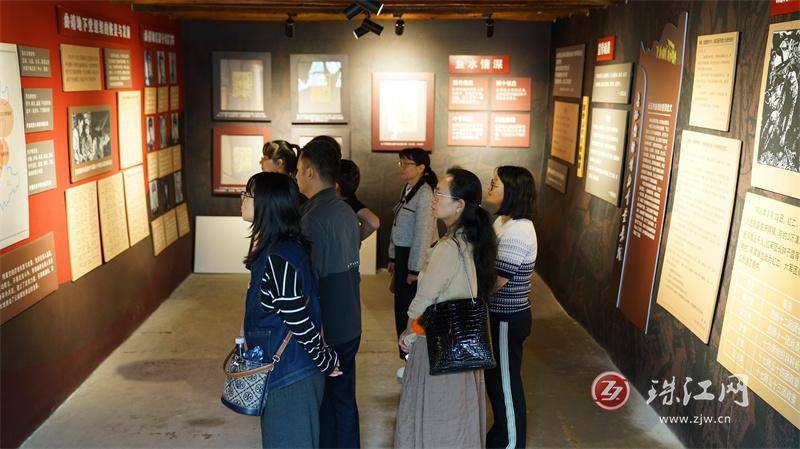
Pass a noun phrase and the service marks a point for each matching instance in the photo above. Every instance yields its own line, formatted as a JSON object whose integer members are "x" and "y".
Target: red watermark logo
{"x": 610, "y": 390}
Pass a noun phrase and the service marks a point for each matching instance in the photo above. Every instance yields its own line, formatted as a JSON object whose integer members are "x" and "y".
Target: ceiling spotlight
{"x": 399, "y": 25}
{"x": 489, "y": 25}
{"x": 370, "y": 6}
{"x": 366, "y": 27}
{"x": 352, "y": 11}
{"x": 288, "y": 28}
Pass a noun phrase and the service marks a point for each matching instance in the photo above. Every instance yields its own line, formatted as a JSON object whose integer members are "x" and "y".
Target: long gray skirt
{"x": 444, "y": 411}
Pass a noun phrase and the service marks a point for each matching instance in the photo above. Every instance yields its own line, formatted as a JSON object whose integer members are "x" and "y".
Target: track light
{"x": 367, "y": 26}
{"x": 372, "y": 6}
{"x": 288, "y": 28}
{"x": 369, "y": 6}
{"x": 399, "y": 25}
{"x": 352, "y": 11}
{"x": 489, "y": 25}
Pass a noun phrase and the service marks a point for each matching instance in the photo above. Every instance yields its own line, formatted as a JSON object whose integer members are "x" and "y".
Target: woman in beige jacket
{"x": 448, "y": 410}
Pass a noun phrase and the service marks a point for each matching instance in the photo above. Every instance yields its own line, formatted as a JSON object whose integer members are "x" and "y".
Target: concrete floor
{"x": 161, "y": 387}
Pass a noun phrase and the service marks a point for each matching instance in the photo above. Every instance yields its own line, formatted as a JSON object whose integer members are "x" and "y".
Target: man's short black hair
{"x": 325, "y": 155}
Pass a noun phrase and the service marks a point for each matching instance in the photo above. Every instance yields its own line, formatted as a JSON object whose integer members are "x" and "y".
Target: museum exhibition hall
{"x": 625, "y": 175}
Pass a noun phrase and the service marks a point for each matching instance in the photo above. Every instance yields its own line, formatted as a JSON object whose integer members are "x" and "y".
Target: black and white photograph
{"x": 151, "y": 133}
{"x": 90, "y": 141}
{"x": 780, "y": 119}
{"x": 173, "y": 68}
{"x": 178, "y": 178}
{"x": 154, "y": 197}
{"x": 148, "y": 68}
{"x": 165, "y": 198}
{"x": 162, "y": 67}
{"x": 162, "y": 131}
{"x": 776, "y": 156}
{"x": 175, "y": 128}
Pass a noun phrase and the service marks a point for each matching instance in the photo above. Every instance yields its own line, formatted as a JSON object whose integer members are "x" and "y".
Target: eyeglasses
{"x": 404, "y": 164}
{"x": 437, "y": 194}
{"x": 245, "y": 194}
{"x": 494, "y": 185}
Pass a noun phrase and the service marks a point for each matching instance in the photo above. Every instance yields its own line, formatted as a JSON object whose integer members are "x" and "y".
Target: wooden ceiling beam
{"x": 277, "y": 10}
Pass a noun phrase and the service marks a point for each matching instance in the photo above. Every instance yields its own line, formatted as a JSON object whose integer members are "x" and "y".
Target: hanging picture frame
{"x": 237, "y": 156}
{"x": 402, "y": 110}
{"x": 242, "y": 85}
{"x": 319, "y": 88}
{"x": 301, "y": 135}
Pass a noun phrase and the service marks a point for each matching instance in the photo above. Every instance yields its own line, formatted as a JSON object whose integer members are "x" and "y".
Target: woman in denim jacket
{"x": 282, "y": 300}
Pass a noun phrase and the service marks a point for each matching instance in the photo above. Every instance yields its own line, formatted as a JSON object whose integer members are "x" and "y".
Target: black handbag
{"x": 457, "y": 333}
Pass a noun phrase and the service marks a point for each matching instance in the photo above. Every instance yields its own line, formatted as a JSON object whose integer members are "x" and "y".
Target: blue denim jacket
{"x": 267, "y": 329}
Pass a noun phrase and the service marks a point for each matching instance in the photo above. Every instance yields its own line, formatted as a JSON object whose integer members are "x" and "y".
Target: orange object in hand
{"x": 417, "y": 328}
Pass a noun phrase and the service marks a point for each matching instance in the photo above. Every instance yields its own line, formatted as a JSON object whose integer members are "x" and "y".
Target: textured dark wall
{"x": 424, "y": 47}
{"x": 578, "y": 231}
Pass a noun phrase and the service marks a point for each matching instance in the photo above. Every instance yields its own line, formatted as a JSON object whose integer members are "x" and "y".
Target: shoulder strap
{"x": 464, "y": 264}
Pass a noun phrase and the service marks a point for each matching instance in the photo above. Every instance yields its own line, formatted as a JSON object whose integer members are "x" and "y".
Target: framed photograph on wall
{"x": 301, "y": 135}
{"x": 148, "y": 68}
{"x": 402, "y": 111}
{"x": 242, "y": 85}
{"x": 90, "y": 147}
{"x": 162, "y": 67}
{"x": 776, "y": 165}
{"x": 320, "y": 92}
{"x": 162, "y": 131}
{"x": 150, "y": 139}
{"x": 237, "y": 156}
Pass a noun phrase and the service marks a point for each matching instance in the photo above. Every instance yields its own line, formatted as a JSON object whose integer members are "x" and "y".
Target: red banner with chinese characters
{"x": 778, "y": 7}
{"x": 479, "y": 64}
{"x": 605, "y": 48}
{"x": 155, "y": 36}
{"x": 73, "y": 22}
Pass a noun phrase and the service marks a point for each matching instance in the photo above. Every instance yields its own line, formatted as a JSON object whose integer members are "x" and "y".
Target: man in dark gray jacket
{"x": 332, "y": 227}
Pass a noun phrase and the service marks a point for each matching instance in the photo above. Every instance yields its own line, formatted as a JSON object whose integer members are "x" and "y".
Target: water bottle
{"x": 237, "y": 361}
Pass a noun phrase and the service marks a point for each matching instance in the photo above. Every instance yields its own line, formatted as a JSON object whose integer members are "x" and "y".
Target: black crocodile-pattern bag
{"x": 458, "y": 335}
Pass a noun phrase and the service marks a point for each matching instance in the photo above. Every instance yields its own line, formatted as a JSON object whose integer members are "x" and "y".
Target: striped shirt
{"x": 516, "y": 256}
{"x": 281, "y": 294}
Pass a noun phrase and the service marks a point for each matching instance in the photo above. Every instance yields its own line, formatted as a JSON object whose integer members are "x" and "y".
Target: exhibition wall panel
{"x": 425, "y": 47}
{"x": 49, "y": 347}
{"x": 579, "y": 232}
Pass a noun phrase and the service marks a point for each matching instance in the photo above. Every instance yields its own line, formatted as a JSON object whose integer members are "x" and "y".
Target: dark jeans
{"x": 338, "y": 414}
{"x": 504, "y": 382}
{"x": 403, "y": 292}
{"x": 291, "y": 414}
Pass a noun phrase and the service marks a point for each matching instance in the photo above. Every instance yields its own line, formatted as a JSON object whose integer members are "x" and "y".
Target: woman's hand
{"x": 336, "y": 372}
{"x": 402, "y": 343}
{"x": 390, "y": 267}
{"x": 411, "y": 278}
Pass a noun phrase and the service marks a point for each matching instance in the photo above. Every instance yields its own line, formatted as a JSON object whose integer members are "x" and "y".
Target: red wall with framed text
{"x": 51, "y": 347}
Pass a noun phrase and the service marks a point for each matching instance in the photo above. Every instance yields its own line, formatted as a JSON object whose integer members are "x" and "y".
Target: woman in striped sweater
{"x": 513, "y": 192}
{"x": 282, "y": 305}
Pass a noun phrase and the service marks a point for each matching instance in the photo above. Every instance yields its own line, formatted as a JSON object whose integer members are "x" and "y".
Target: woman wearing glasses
{"x": 448, "y": 410}
{"x": 413, "y": 232}
{"x": 513, "y": 192}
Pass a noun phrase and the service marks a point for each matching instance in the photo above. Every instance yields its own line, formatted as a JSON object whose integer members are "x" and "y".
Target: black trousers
{"x": 403, "y": 292}
{"x": 504, "y": 382}
{"x": 338, "y": 414}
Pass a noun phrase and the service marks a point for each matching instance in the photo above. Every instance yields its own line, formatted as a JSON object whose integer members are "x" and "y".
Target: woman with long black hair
{"x": 448, "y": 410}
{"x": 282, "y": 305}
{"x": 413, "y": 232}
